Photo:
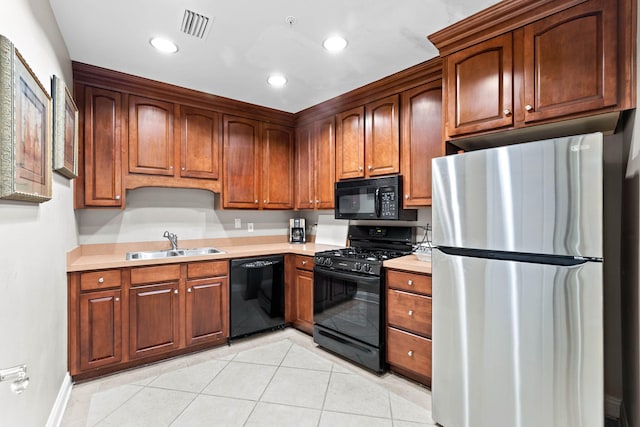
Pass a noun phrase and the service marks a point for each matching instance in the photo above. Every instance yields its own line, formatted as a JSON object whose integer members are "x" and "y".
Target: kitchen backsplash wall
{"x": 191, "y": 215}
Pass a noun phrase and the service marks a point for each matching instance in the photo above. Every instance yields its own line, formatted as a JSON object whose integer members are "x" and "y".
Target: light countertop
{"x": 408, "y": 263}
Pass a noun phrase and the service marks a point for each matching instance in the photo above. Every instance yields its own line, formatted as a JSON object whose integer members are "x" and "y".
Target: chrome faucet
{"x": 173, "y": 238}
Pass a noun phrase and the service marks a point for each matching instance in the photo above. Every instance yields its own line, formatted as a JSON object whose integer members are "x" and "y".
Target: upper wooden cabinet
{"x": 524, "y": 62}
{"x": 367, "y": 140}
{"x": 151, "y": 139}
{"x": 99, "y": 182}
{"x": 200, "y": 143}
{"x": 258, "y": 164}
{"x": 315, "y": 165}
{"x": 421, "y": 140}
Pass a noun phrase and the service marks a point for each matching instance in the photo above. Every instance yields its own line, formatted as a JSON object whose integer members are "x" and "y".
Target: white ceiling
{"x": 249, "y": 39}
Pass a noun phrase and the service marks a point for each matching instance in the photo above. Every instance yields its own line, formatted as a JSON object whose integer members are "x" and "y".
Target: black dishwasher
{"x": 257, "y": 295}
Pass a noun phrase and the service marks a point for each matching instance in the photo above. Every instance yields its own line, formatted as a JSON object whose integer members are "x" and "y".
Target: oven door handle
{"x": 348, "y": 276}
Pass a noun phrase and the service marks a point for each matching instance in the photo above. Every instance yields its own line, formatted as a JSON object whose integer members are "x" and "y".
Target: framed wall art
{"x": 25, "y": 130}
{"x": 65, "y": 130}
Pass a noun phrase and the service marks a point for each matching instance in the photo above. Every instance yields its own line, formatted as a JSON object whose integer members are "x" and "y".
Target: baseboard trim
{"x": 59, "y": 406}
{"x": 612, "y": 406}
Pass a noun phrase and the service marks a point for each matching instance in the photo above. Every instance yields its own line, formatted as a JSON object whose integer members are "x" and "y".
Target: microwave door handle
{"x": 378, "y": 203}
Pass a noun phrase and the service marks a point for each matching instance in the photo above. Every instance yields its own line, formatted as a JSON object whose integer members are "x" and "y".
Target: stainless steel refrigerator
{"x": 517, "y": 285}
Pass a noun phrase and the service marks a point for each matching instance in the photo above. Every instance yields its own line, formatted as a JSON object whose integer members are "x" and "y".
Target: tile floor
{"x": 275, "y": 379}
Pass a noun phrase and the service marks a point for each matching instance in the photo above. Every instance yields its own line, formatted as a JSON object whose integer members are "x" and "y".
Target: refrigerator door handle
{"x": 566, "y": 261}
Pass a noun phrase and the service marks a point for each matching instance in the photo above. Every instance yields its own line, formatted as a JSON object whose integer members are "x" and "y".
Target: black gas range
{"x": 349, "y": 293}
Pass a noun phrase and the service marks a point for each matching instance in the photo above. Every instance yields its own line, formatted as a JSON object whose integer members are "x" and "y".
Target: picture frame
{"x": 25, "y": 130}
{"x": 65, "y": 130}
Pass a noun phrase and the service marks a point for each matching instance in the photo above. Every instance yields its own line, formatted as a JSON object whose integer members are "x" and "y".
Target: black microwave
{"x": 372, "y": 198}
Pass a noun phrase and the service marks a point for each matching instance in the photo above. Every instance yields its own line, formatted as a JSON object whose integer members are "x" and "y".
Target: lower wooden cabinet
{"x": 409, "y": 324}
{"x": 299, "y": 308}
{"x": 119, "y": 318}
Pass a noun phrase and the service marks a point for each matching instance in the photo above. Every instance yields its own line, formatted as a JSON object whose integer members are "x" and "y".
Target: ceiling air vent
{"x": 195, "y": 24}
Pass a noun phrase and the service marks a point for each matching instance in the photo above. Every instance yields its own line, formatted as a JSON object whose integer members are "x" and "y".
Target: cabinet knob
{"x": 406, "y": 197}
{"x": 117, "y": 299}
{"x": 528, "y": 107}
{"x": 370, "y": 167}
{"x": 175, "y": 291}
{"x": 255, "y": 201}
{"x": 410, "y": 282}
{"x": 310, "y": 202}
{"x": 117, "y": 197}
{"x": 188, "y": 289}
{"x": 317, "y": 200}
{"x": 410, "y": 353}
{"x": 170, "y": 167}
{"x": 304, "y": 262}
{"x": 410, "y": 312}
{"x": 264, "y": 201}
{"x": 101, "y": 280}
{"x": 183, "y": 168}
{"x": 506, "y": 112}
{"x": 359, "y": 168}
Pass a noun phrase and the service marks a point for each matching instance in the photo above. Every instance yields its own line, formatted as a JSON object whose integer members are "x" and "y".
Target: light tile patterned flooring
{"x": 275, "y": 379}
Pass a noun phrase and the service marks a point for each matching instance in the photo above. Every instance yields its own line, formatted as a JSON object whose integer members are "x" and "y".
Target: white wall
{"x": 34, "y": 239}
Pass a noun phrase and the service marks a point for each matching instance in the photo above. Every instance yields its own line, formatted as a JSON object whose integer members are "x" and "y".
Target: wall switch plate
{"x": 250, "y": 227}
{"x": 238, "y": 223}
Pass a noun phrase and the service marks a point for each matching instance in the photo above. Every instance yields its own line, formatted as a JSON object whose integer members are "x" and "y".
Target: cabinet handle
{"x": 410, "y": 353}
{"x": 410, "y": 282}
{"x": 117, "y": 197}
{"x": 528, "y": 107}
{"x": 410, "y": 312}
{"x": 101, "y": 280}
{"x": 188, "y": 289}
{"x": 175, "y": 291}
{"x": 370, "y": 167}
{"x": 506, "y": 112}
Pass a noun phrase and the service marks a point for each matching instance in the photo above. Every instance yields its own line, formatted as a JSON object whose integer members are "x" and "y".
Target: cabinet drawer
{"x": 207, "y": 269}
{"x": 411, "y": 282}
{"x": 409, "y": 311}
{"x": 409, "y": 351}
{"x": 304, "y": 262}
{"x": 161, "y": 273}
{"x": 99, "y": 280}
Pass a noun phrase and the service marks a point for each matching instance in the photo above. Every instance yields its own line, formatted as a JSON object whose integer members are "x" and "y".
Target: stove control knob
{"x": 366, "y": 268}
{"x": 328, "y": 262}
{"x": 357, "y": 266}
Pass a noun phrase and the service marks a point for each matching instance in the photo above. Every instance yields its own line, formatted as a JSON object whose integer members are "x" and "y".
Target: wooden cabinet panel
{"x": 479, "y": 87}
{"x": 199, "y": 143}
{"x": 570, "y": 61}
{"x": 102, "y": 145}
{"x": 305, "y": 166}
{"x": 304, "y": 300}
{"x": 409, "y": 311}
{"x": 242, "y": 162}
{"x": 96, "y": 280}
{"x": 154, "y": 319}
{"x": 197, "y": 270}
{"x": 304, "y": 262}
{"x": 155, "y": 274}
{"x": 410, "y": 352}
{"x": 382, "y": 137}
{"x": 350, "y": 144}
{"x": 421, "y": 141}
{"x": 207, "y": 311}
{"x": 100, "y": 329}
{"x": 151, "y": 147}
{"x": 324, "y": 165}
{"x": 410, "y": 282}
{"x": 277, "y": 167}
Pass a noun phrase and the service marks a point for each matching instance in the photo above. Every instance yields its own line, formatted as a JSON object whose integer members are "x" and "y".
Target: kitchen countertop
{"x": 101, "y": 256}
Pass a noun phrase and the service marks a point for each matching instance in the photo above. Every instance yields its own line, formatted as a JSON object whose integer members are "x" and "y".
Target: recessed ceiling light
{"x": 163, "y": 45}
{"x": 334, "y": 43}
{"x": 277, "y": 80}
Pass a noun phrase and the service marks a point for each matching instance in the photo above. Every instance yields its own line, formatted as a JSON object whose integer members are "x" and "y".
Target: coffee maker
{"x": 297, "y": 230}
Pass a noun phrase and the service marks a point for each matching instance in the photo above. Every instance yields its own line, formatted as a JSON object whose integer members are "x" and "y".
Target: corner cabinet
{"x": 537, "y": 62}
{"x": 315, "y": 165}
{"x": 258, "y": 164}
{"x": 299, "y": 292}
{"x": 120, "y": 318}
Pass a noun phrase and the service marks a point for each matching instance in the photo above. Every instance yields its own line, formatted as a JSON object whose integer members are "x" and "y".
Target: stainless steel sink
{"x": 168, "y": 253}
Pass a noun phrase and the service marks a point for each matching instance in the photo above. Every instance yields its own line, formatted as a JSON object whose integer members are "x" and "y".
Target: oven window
{"x": 350, "y": 306}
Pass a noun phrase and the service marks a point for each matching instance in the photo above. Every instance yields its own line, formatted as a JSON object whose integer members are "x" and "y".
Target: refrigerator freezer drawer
{"x": 516, "y": 344}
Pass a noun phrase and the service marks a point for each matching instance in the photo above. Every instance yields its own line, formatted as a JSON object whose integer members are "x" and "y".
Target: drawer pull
{"x": 101, "y": 280}
{"x": 410, "y": 282}
{"x": 410, "y": 353}
{"x": 304, "y": 262}
{"x": 410, "y": 312}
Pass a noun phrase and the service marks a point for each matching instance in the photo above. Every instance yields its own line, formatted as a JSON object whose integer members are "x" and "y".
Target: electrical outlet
{"x": 250, "y": 227}
{"x": 238, "y": 223}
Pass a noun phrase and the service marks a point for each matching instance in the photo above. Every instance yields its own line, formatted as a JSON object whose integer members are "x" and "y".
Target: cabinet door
{"x": 479, "y": 94}
{"x": 151, "y": 149}
{"x": 102, "y": 145}
{"x": 382, "y": 137}
{"x": 324, "y": 163}
{"x": 304, "y": 300}
{"x": 421, "y": 141}
{"x": 570, "y": 61}
{"x": 207, "y": 314}
{"x": 154, "y": 319}
{"x": 242, "y": 163}
{"x": 350, "y": 144}
{"x": 305, "y": 167}
{"x": 277, "y": 167}
{"x": 100, "y": 329}
{"x": 199, "y": 143}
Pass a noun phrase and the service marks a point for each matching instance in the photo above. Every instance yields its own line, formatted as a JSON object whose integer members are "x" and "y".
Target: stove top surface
{"x": 368, "y": 254}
